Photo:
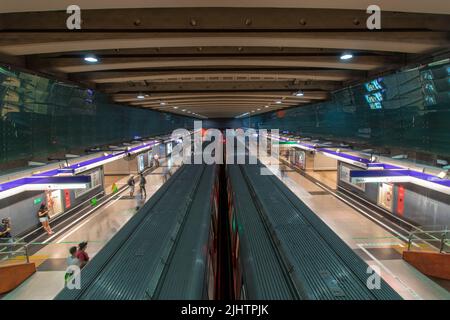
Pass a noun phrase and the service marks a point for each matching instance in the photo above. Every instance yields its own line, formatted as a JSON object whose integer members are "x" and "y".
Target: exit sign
{"x": 37, "y": 200}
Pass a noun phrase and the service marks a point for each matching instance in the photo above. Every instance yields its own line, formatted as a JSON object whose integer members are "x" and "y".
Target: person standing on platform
{"x": 114, "y": 188}
{"x": 156, "y": 158}
{"x": 72, "y": 260}
{"x": 5, "y": 235}
{"x": 43, "y": 218}
{"x": 82, "y": 255}
{"x": 166, "y": 173}
{"x": 139, "y": 201}
{"x": 131, "y": 185}
{"x": 142, "y": 183}
{"x": 5, "y": 231}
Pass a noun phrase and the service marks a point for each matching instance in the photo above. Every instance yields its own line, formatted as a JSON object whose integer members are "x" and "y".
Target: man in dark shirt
{"x": 82, "y": 255}
{"x": 131, "y": 185}
{"x": 5, "y": 230}
{"x": 5, "y": 236}
{"x": 142, "y": 183}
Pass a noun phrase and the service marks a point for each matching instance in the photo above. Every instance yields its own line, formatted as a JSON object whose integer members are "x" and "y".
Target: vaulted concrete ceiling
{"x": 220, "y": 58}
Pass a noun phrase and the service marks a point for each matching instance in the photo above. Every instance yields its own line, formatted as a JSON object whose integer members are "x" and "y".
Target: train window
{"x": 237, "y": 246}
{"x": 211, "y": 282}
{"x": 230, "y": 216}
{"x": 237, "y": 281}
{"x": 231, "y": 219}
{"x": 243, "y": 294}
{"x": 213, "y": 230}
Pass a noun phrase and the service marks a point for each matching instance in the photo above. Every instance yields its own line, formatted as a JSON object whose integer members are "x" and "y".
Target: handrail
{"x": 443, "y": 237}
{"x": 23, "y": 249}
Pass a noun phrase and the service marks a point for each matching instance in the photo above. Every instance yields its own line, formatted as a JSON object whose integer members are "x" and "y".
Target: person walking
{"x": 156, "y": 158}
{"x": 43, "y": 218}
{"x": 166, "y": 174}
{"x": 82, "y": 255}
{"x": 72, "y": 260}
{"x": 142, "y": 183}
{"x": 131, "y": 184}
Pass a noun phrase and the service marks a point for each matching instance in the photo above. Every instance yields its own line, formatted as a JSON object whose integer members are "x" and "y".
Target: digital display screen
{"x": 374, "y": 97}
{"x": 375, "y": 89}
{"x": 374, "y": 85}
{"x": 427, "y": 75}
{"x": 430, "y": 100}
{"x": 375, "y": 105}
{"x": 429, "y": 87}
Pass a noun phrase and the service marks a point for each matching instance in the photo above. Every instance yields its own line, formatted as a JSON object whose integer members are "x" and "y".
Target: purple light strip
{"x": 386, "y": 166}
{"x": 41, "y": 180}
{"x": 51, "y": 173}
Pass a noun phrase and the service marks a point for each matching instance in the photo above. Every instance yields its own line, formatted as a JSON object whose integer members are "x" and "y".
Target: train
{"x": 165, "y": 251}
{"x": 283, "y": 250}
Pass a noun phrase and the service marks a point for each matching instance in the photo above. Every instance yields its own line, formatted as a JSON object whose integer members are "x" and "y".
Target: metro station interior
{"x": 224, "y": 150}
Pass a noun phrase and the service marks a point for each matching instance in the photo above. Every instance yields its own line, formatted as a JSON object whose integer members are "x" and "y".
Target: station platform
{"x": 97, "y": 229}
{"x": 375, "y": 242}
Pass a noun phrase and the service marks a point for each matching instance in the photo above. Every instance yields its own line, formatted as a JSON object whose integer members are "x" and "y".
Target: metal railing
{"x": 11, "y": 249}
{"x": 430, "y": 240}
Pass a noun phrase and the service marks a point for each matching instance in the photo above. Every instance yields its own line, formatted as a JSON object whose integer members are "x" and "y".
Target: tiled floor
{"x": 97, "y": 229}
{"x": 43, "y": 285}
{"x": 370, "y": 241}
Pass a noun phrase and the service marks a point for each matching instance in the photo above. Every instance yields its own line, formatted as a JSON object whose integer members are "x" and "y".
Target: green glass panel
{"x": 42, "y": 117}
{"x": 413, "y": 113}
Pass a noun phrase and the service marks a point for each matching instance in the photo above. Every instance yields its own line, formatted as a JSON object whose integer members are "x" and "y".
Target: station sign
{"x": 382, "y": 176}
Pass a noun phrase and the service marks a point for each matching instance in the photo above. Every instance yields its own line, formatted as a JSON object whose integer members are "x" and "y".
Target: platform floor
{"x": 375, "y": 244}
{"x": 97, "y": 229}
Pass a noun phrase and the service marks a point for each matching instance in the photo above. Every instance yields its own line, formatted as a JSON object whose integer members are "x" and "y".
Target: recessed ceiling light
{"x": 140, "y": 96}
{"x": 183, "y": 110}
{"x": 266, "y": 106}
{"x": 258, "y": 109}
{"x": 253, "y": 110}
{"x": 278, "y": 102}
{"x": 299, "y": 94}
{"x": 91, "y": 59}
{"x": 175, "y": 107}
{"x": 162, "y": 103}
{"x": 346, "y": 56}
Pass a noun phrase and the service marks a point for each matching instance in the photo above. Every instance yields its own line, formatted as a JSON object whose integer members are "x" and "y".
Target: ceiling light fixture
{"x": 278, "y": 102}
{"x": 266, "y": 106}
{"x": 140, "y": 96}
{"x": 346, "y": 56}
{"x": 175, "y": 107}
{"x": 162, "y": 103}
{"x": 299, "y": 93}
{"x": 91, "y": 59}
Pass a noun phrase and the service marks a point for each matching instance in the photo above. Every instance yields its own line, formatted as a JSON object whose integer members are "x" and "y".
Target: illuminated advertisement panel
{"x": 140, "y": 160}
{"x": 344, "y": 176}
